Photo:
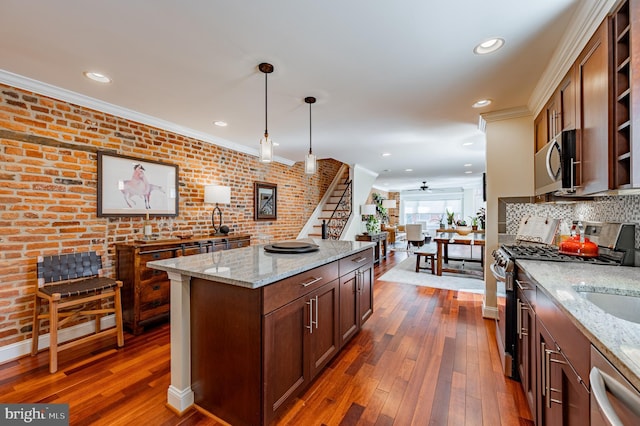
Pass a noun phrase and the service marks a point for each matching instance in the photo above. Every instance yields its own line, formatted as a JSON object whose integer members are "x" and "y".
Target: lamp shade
{"x": 368, "y": 209}
{"x": 217, "y": 194}
{"x": 389, "y": 204}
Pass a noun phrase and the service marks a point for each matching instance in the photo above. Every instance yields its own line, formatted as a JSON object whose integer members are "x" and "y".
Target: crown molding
{"x": 505, "y": 114}
{"x": 585, "y": 21}
{"x": 45, "y": 89}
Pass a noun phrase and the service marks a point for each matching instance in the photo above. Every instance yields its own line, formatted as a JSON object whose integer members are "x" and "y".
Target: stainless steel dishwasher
{"x": 614, "y": 401}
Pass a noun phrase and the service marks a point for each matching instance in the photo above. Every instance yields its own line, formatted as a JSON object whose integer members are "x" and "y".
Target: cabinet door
{"x": 348, "y": 306}
{"x": 285, "y": 367}
{"x": 553, "y": 117}
{"x": 593, "y": 110}
{"x": 574, "y": 397}
{"x": 540, "y": 131}
{"x": 365, "y": 294}
{"x": 324, "y": 340}
{"x": 567, "y": 100}
{"x": 527, "y": 350}
{"x": 549, "y": 410}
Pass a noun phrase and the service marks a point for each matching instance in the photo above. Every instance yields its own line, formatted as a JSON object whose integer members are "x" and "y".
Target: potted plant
{"x": 450, "y": 216}
{"x": 372, "y": 224}
{"x": 380, "y": 211}
{"x": 441, "y": 224}
{"x": 474, "y": 222}
{"x": 462, "y": 228}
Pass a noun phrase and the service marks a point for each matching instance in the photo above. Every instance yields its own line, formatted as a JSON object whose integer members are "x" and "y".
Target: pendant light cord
{"x": 310, "y": 128}
{"x": 266, "y": 131}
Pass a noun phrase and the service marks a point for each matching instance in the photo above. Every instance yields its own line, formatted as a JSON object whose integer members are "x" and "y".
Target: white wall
{"x": 362, "y": 181}
{"x": 510, "y": 150}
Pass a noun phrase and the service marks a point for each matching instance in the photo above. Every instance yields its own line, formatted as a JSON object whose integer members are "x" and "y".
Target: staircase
{"x": 336, "y": 210}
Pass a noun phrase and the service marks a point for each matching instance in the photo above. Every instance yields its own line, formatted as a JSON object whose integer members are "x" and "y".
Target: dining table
{"x": 443, "y": 239}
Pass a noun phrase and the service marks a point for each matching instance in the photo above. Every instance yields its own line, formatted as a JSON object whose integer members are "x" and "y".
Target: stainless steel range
{"x": 616, "y": 246}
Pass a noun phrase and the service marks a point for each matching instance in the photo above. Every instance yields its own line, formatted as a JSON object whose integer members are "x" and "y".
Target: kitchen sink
{"x": 619, "y": 305}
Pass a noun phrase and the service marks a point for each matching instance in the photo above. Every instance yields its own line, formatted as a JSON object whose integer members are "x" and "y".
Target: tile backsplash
{"x": 624, "y": 209}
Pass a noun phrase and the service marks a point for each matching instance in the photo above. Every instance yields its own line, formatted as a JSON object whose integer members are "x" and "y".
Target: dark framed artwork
{"x": 265, "y": 196}
{"x": 129, "y": 186}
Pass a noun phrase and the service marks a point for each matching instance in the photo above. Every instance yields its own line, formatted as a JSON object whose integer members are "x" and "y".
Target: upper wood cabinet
{"x": 625, "y": 94}
{"x": 558, "y": 114}
{"x": 592, "y": 69}
{"x": 600, "y": 98}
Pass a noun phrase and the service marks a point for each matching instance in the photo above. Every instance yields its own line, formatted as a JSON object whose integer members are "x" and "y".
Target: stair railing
{"x": 341, "y": 214}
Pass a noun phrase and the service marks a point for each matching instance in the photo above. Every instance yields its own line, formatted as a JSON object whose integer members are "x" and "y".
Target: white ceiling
{"x": 397, "y": 77}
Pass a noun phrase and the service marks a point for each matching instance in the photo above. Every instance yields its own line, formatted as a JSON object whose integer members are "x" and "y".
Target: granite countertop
{"x": 617, "y": 339}
{"x": 253, "y": 267}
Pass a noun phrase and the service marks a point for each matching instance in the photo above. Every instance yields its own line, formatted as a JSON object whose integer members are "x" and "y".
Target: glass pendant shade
{"x": 310, "y": 164}
{"x": 266, "y": 149}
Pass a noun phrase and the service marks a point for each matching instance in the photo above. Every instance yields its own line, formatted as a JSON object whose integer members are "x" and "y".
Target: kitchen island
{"x": 250, "y": 329}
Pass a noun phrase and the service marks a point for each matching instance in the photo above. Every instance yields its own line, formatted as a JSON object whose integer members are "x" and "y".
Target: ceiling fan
{"x": 424, "y": 187}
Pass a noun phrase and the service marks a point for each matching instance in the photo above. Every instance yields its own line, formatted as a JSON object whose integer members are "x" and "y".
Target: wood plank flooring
{"x": 426, "y": 356}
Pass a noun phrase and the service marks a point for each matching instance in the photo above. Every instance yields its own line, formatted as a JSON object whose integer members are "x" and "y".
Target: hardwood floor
{"x": 426, "y": 356}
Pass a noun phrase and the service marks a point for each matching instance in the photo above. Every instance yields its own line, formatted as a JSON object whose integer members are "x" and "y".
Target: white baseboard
{"x": 20, "y": 349}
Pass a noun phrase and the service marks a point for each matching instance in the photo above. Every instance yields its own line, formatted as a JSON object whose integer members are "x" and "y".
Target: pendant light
{"x": 266, "y": 146}
{"x": 310, "y": 159}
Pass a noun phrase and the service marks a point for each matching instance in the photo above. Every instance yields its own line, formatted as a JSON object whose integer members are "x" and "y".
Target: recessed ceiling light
{"x": 468, "y": 172}
{"x": 481, "y": 103}
{"x": 489, "y": 46}
{"x": 385, "y": 154}
{"x": 96, "y": 76}
{"x": 467, "y": 144}
{"x": 220, "y": 123}
{"x": 468, "y": 165}
{"x": 408, "y": 170}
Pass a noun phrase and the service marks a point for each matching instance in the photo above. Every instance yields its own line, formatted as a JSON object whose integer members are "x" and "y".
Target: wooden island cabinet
{"x": 145, "y": 291}
{"x": 250, "y": 336}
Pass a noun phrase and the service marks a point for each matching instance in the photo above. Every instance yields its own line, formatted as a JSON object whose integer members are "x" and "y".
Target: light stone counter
{"x": 249, "y": 267}
{"x": 253, "y": 267}
{"x": 617, "y": 339}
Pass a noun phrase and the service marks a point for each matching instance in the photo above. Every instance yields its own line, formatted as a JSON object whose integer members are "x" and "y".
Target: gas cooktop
{"x": 544, "y": 252}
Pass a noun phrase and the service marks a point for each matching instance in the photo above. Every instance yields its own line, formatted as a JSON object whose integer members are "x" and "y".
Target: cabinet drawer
{"x": 154, "y": 299}
{"x": 155, "y": 255}
{"x": 148, "y": 275}
{"x": 155, "y": 291}
{"x": 153, "y": 309}
{"x": 282, "y": 292}
{"x": 238, "y": 243}
{"x": 355, "y": 261}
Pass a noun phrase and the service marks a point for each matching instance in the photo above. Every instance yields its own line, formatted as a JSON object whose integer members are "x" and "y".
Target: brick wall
{"x": 48, "y": 181}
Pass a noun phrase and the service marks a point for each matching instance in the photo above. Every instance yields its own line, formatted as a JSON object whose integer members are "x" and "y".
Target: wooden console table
{"x": 380, "y": 250}
{"x": 145, "y": 291}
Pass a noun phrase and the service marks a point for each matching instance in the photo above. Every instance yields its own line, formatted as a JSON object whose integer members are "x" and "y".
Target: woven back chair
{"x": 73, "y": 287}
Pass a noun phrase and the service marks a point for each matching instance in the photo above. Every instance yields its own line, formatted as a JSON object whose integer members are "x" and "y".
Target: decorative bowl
{"x": 463, "y": 230}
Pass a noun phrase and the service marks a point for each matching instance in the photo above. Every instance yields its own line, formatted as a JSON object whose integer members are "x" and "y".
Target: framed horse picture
{"x": 129, "y": 186}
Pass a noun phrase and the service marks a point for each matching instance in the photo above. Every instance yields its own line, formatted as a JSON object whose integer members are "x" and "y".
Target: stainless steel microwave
{"x": 555, "y": 165}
